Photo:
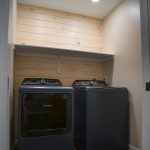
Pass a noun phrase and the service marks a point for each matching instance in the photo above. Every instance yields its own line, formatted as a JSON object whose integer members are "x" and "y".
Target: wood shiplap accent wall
{"x": 67, "y": 69}
{"x": 50, "y": 28}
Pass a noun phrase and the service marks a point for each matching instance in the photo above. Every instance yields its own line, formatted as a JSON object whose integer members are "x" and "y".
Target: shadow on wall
{"x": 108, "y": 67}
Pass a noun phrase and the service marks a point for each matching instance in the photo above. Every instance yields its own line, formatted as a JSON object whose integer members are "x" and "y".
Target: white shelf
{"x": 44, "y": 51}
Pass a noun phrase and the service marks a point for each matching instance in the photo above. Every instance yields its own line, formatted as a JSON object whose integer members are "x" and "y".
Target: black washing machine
{"x": 45, "y": 115}
{"x": 101, "y": 116}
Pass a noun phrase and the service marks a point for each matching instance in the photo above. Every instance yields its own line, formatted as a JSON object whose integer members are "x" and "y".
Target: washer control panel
{"x": 89, "y": 83}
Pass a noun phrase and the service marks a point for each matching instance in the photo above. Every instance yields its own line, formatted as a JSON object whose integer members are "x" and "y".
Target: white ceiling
{"x": 83, "y": 7}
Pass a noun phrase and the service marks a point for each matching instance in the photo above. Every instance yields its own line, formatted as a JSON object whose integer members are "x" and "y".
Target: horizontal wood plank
{"x": 50, "y": 28}
{"x": 31, "y": 13}
{"x": 55, "y": 25}
{"x": 58, "y": 44}
{"x": 59, "y": 13}
{"x": 61, "y": 39}
{"x": 58, "y": 32}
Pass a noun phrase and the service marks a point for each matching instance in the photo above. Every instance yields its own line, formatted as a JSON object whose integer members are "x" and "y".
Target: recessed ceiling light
{"x": 95, "y": 1}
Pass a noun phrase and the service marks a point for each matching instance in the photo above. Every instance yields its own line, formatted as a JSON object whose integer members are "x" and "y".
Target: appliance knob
{"x": 43, "y": 81}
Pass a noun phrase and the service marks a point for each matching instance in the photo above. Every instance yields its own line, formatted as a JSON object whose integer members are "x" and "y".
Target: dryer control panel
{"x": 41, "y": 81}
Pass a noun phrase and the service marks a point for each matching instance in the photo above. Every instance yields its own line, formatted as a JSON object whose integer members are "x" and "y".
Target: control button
{"x": 43, "y": 81}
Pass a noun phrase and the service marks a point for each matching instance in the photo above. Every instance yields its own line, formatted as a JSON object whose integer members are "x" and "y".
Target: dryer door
{"x": 46, "y": 113}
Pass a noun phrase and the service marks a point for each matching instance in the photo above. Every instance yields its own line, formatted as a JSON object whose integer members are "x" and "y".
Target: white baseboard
{"x": 131, "y": 147}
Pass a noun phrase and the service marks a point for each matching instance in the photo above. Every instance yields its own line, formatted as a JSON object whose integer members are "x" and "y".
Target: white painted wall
{"x": 122, "y": 37}
{"x": 6, "y": 72}
{"x": 11, "y": 40}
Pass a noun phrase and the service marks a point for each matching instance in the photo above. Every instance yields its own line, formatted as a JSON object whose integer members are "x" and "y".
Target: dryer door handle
{"x": 47, "y": 105}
